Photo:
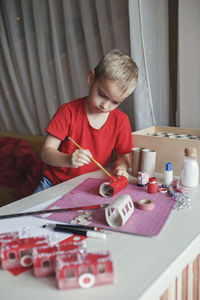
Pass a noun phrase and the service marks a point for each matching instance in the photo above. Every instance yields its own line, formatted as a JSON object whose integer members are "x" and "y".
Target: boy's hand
{"x": 122, "y": 173}
{"x": 80, "y": 157}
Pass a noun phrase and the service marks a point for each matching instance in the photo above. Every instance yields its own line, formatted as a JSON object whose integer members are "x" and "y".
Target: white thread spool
{"x": 148, "y": 161}
{"x": 119, "y": 211}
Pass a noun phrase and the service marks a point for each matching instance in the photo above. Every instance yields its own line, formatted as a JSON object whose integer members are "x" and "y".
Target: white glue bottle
{"x": 190, "y": 168}
{"x": 168, "y": 174}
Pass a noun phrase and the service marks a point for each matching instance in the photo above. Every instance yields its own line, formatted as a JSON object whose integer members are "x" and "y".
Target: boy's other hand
{"x": 122, "y": 173}
{"x": 80, "y": 157}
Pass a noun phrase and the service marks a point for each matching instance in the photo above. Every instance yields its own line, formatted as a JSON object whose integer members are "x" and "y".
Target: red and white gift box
{"x": 84, "y": 271}
{"x": 17, "y": 253}
{"x": 44, "y": 257}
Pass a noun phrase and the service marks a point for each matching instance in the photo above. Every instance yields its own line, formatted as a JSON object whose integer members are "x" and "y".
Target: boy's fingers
{"x": 80, "y": 157}
{"x": 89, "y": 153}
{"x": 85, "y": 152}
{"x": 123, "y": 173}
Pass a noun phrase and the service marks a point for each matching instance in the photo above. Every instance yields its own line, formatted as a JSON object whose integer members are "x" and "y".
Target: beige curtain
{"x": 188, "y": 91}
{"x": 48, "y": 47}
{"x": 149, "y": 48}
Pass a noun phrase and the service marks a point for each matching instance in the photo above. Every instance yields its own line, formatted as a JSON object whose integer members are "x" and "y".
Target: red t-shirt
{"x": 71, "y": 120}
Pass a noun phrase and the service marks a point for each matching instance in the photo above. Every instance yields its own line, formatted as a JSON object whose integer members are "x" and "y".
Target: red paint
{"x": 118, "y": 184}
{"x": 163, "y": 190}
{"x": 152, "y": 186}
{"x": 113, "y": 178}
{"x": 86, "y": 207}
{"x": 113, "y": 186}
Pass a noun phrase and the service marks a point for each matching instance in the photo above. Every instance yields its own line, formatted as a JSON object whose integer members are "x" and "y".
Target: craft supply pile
{"x": 69, "y": 262}
{"x": 115, "y": 205}
{"x": 132, "y": 210}
{"x": 144, "y": 162}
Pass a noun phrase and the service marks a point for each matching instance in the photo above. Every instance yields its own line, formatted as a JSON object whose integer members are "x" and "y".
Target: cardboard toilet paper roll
{"x": 148, "y": 161}
{"x": 136, "y": 158}
{"x": 119, "y": 211}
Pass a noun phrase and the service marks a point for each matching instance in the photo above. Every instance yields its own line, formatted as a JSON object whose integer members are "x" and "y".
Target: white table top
{"x": 144, "y": 267}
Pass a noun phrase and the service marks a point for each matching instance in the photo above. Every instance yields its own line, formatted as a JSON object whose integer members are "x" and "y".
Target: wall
{"x": 188, "y": 114}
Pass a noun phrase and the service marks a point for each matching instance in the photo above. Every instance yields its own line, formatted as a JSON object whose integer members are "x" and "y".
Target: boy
{"x": 94, "y": 122}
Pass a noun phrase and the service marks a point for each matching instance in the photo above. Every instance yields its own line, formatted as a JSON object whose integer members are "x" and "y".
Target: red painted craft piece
{"x": 113, "y": 186}
{"x": 119, "y": 183}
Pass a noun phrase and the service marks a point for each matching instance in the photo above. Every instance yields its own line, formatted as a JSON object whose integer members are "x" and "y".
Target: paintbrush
{"x": 56, "y": 210}
{"x": 94, "y": 160}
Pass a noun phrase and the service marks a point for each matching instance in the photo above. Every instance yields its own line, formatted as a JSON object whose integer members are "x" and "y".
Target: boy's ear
{"x": 91, "y": 77}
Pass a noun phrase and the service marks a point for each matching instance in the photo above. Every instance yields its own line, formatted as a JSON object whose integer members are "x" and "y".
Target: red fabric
{"x": 71, "y": 120}
{"x": 20, "y": 168}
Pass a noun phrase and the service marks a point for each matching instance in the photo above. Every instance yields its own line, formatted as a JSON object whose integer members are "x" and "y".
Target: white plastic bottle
{"x": 168, "y": 174}
{"x": 190, "y": 168}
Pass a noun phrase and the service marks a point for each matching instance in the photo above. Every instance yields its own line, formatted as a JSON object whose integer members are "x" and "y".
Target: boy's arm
{"x": 122, "y": 165}
{"x": 53, "y": 157}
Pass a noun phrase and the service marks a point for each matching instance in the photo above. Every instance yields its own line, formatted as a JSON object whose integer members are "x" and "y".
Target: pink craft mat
{"x": 146, "y": 223}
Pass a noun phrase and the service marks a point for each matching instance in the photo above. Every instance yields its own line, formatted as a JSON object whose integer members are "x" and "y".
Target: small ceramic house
{"x": 44, "y": 257}
{"x": 84, "y": 271}
{"x": 18, "y": 252}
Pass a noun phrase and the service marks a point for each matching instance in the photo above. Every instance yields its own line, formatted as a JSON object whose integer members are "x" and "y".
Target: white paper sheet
{"x": 32, "y": 225}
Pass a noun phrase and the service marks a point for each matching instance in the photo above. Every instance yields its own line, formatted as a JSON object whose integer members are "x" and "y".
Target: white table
{"x": 143, "y": 267}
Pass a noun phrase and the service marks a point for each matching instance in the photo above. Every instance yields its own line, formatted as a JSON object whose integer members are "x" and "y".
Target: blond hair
{"x": 118, "y": 66}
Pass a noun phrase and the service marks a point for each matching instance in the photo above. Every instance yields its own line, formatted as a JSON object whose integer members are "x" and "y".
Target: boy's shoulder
{"x": 73, "y": 103}
{"x": 117, "y": 113}
{"x": 72, "y": 107}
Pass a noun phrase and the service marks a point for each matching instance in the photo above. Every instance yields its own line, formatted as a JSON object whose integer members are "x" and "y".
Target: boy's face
{"x": 104, "y": 95}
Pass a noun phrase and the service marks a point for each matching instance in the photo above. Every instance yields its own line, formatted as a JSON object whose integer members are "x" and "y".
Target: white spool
{"x": 148, "y": 161}
{"x": 119, "y": 211}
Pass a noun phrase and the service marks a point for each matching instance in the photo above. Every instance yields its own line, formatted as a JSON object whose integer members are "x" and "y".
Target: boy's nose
{"x": 104, "y": 105}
